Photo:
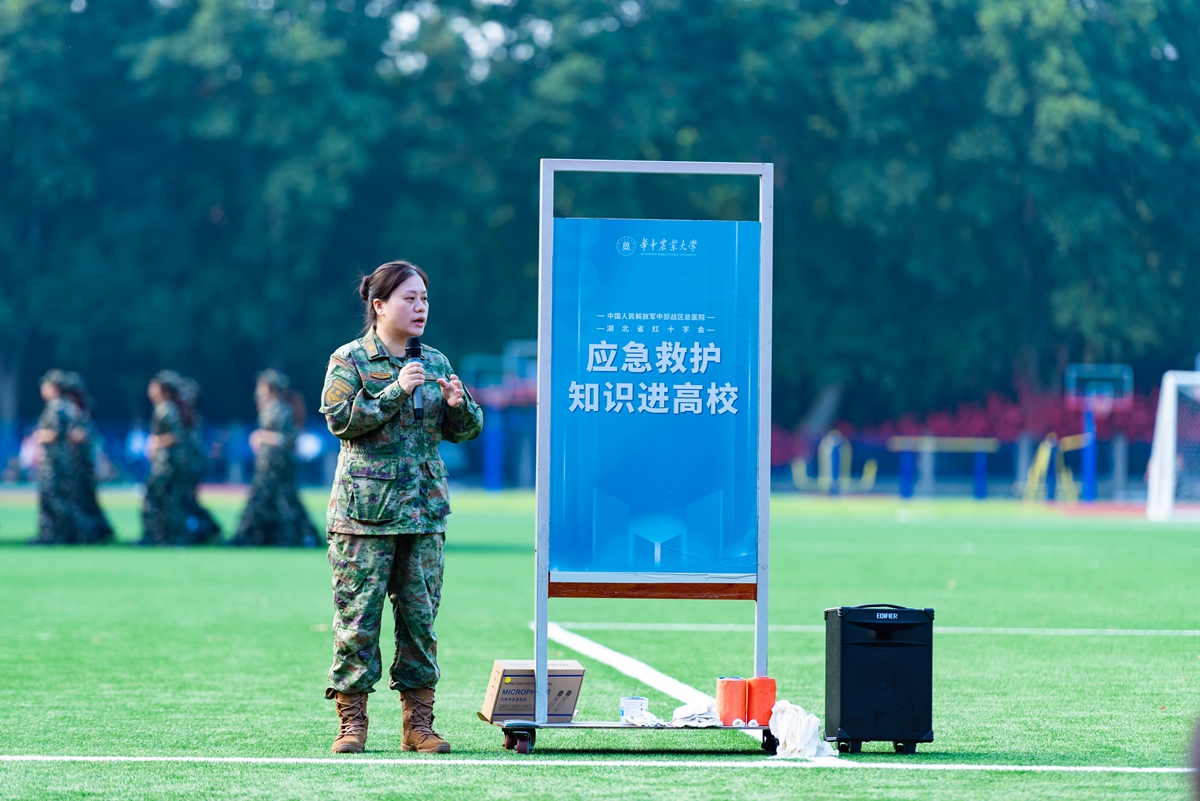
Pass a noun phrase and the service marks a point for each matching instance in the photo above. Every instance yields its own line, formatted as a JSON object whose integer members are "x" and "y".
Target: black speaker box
{"x": 878, "y": 676}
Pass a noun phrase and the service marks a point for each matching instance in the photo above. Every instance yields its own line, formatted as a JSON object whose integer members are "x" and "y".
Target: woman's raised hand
{"x": 412, "y": 375}
{"x": 452, "y": 390}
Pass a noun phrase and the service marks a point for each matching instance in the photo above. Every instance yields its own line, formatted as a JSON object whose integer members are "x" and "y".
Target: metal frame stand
{"x": 730, "y": 586}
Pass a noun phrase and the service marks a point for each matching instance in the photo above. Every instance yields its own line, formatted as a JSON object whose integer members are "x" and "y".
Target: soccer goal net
{"x": 1174, "y": 474}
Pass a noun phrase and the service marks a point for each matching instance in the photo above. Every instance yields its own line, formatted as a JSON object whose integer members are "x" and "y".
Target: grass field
{"x": 121, "y": 651}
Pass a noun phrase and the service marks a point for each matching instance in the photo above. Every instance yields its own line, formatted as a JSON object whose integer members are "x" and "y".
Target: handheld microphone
{"x": 412, "y": 350}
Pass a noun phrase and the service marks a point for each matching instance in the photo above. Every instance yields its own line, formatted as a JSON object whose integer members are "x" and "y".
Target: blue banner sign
{"x": 654, "y": 407}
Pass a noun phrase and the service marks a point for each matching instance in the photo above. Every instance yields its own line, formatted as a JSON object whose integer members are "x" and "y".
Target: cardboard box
{"x": 510, "y": 693}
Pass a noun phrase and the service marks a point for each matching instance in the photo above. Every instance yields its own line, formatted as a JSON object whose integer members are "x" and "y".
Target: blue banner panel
{"x": 654, "y": 402}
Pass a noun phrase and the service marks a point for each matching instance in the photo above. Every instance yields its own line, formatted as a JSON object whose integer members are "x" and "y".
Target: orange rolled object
{"x": 731, "y": 699}
{"x": 760, "y": 697}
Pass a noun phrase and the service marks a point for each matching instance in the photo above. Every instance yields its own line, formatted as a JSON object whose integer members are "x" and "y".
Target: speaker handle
{"x": 878, "y": 606}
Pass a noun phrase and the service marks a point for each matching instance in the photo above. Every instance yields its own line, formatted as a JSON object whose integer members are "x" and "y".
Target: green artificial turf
{"x": 223, "y": 652}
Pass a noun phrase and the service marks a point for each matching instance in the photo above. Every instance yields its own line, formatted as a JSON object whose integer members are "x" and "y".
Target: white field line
{"x": 630, "y": 667}
{"x": 676, "y": 689}
{"x": 643, "y": 673}
{"x": 635, "y": 669}
{"x": 803, "y": 629}
{"x": 535, "y": 762}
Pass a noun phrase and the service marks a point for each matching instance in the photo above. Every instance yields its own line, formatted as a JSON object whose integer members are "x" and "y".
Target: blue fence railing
{"x": 504, "y": 457}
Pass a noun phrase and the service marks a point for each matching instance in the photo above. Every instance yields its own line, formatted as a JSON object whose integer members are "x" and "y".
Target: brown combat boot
{"x": 418, "y": 723}
{"x": 352, "y": 714}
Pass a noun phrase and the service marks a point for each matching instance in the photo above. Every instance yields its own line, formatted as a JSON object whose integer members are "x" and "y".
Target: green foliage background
{"x": 971, "y": 193}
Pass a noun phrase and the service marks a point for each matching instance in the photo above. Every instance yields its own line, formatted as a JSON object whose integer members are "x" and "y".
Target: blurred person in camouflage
{"x": 202, "y": 527}
{"x": 165, "y": 506}
{"x": 61, "y": 521}
{"x": 82, "y": 439}
{"x": 274, "y": 514}
{"x": 387, "y": 512}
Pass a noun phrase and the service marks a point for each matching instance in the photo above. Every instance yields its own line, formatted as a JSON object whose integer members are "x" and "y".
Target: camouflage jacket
{"x": 166, "y": 420}
{"x": 390, "y": 478}
{"x": 83, "y": 452}
{"x": 276, "y": 416}
{"x": 59, "y": 416}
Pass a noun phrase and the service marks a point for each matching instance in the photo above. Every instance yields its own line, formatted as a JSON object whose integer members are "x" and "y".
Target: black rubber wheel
{"x": 524, "y": 744}
{"x": 843, "y": 746}
{"x": 907, "y": 747}
{"x": 769, "y": 743}
{"x": 510, "y": 740}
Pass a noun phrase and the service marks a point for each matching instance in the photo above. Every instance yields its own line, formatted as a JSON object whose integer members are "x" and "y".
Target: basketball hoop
{"x": 1099, "y": 388}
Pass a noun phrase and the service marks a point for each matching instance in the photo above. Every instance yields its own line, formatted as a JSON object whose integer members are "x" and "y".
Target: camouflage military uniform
{"x": 168, "y": 493}
{"x": 387, "y": 512}
{"x": 60, "y": 520}
{"x": 274, "y": 514}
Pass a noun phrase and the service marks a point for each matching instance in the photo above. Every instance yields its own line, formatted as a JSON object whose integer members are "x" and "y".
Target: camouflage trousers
{"x": 405, "y": 568}
{"x": 274, "y": 514}
{"x": 164, "y": 507}
{"x": 61, "y": 521}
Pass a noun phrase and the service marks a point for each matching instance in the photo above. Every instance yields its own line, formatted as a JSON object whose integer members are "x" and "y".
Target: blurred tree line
{"x": 970, "y": 193}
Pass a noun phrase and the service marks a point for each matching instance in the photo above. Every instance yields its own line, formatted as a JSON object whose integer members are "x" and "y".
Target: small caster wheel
{"x": 524, "y": 743}
{"x": 843, "y": 746}
{"x": 769, "y": 743}
{"x": 510, "y": 740}
{"x": 905, "y": 747}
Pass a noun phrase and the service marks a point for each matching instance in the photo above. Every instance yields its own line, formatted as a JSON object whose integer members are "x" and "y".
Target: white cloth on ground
{"x": 695, "y": 716}
{"x": 798, "y": 733}
{"x": 644, "y": 718}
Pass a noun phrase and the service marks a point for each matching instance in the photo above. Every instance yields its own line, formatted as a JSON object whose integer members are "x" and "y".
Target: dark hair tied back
{"x": 380, "y": 284}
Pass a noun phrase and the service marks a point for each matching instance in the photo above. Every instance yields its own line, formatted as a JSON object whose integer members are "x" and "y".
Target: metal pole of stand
{"x": 541, "y": 571}
{"x": 766, "y": 217}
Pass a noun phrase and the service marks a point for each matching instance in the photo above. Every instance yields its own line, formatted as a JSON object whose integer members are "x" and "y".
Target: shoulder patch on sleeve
{"x": 338, "y": 390}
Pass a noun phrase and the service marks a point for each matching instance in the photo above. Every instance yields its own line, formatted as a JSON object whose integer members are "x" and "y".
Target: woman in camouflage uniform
{"x": 96, "y": 528}
{"x": 387, "y": 513}
{"x": 274, "y": 514}
{"x": 165, "y": 507}
{"x": 60, "y": 519}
